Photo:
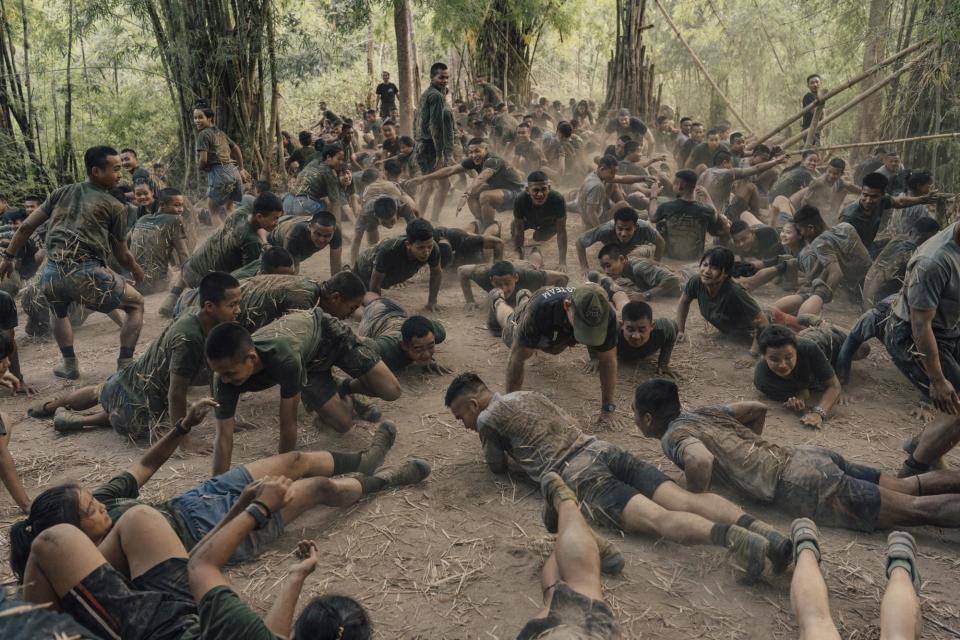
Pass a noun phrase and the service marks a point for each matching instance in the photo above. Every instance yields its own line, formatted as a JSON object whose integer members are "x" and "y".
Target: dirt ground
{"x": 459, "y": 556}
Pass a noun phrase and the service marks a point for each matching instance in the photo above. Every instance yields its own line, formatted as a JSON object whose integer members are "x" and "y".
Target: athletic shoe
{"x": 805, "y": 535}
{"x": 372, "y": 457}
{"x": 70, "y": 369}
{"x": 410, "y": 472}
{"x": 749, "y": 549}
{"x": 66, "y": 421}
{"x": 902, "y": 552}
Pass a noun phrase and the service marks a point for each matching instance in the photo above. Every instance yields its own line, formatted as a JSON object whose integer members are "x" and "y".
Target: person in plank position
{"x": 400, "y": 339}
{"x": 394, "y": 261}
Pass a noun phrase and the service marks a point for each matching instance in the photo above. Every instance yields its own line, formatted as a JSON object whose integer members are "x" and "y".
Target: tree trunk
{"x": 65, "y": 159}
{"x": 868, "y": 122}
{"x": 371, "y": 77}
{"x": 406, "y": 64}
{"x": 629, "y": 75}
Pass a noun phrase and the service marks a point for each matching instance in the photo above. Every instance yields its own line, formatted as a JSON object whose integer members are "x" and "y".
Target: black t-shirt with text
{"x": 543, "y": 323}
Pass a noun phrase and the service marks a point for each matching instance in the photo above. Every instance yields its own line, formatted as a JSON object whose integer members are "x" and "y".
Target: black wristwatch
{"x": 608, "y": 407}
{"x": 179, "y": 428}
{"x": 259, "y": 517}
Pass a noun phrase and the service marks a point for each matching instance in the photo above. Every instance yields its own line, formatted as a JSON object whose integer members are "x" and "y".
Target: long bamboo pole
{"x": 703, "y": 69}
{"x": 877, "y": 143}
{"x": 843, "y": 87}
{"x": 856, "y": 100}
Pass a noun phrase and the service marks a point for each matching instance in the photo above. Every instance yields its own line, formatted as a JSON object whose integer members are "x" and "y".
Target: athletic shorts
{"x": 509, "y": 197}
{"x": 578, "y": 616}
{"x": 301, "y": 205}
{"x": 129, "y": 416}
{"x": 89, "y": 284}
{"x": 606, "y": 477}
{"x": 203, "y": 506}
{"x": 818, "y": 483}
{"x": 903, "y": 352}
{"x": 224, "y": 184}
{"x": 322, "y": 386}
{"x": 426, "y": 156}
{"x": 155, "y": 606}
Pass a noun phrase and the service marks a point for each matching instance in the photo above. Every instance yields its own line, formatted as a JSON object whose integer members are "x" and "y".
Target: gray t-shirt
{"x": 931, "y": 283}
{"x": 593, "y": 193}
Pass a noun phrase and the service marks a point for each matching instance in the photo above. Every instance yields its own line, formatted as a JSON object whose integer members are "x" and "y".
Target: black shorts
{"x": 581, "y": 616}
{"x": 157, "y": 605}
{"x": 426, "y": 156}
{"x": 606, "y": 477}
{"x": 819, "y": 483}
{"x": 903, "y": 351}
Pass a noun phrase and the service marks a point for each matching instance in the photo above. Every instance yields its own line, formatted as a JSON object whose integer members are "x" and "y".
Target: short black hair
{"x": 436, "y": 68}
{"x": 464, "y": 383}
{"x": 607, "y": 162}
{"x": 636, "y": 310}
{"x": 627, "y": 214}
{"x": 630, "y": 147}
{"x": 720, "y": 157}
{"x": 347, "y": 284}
{"x": 227, "y": 341}
{"x": 214, "y": 286}
{"x": 713, "y": 132}
{"x": 718, "y": 257}
{"x": 331, "y": 150}
{"x": 688, "y": 177}
{"x": 262, "y": 186}
{"x": 501, "y": 268}
{"x": 735, "y": 136}
{"x": 613, "y": 250}
{"x": 129, "y": 150}
{"x": 476, "y": 142}
{"x": 31, "y": 196}
{"x": 565, "y": 128}
{"x": 812, "y": 76}
{"x": 875, "y": 181}
{"x": 658, "y": 397}
{"x": 392, "y": 167}
{"x": 324, "y": 219}
{"x": 808, "y": 215}
{"x": 267, "y": 203}
{"x": 369, "y": 175}
{"x": 917, "y": 178}
{"x": 686, "y": 119}
{"x": 838, "y": 163}
{"x": 537, "y": 176}
{"x": 96, "y": 157}
{"x": 415, "y": 327}
{"x": 305, "y": 138}
{"x": 761, "y": 149}
{"x": 384, "y": 207}
{"x": 925, "y": 226}
{"x": 406, "y": 141}
{"x": 167, "y": 194}
{"x": 809, "y": 152}
{"x": 274, "y": 258}
{"x": 419, "y": 230}
{"x": 737, "y": 226}
{"x": 776, "y": 335}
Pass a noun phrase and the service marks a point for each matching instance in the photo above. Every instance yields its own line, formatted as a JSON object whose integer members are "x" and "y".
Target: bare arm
{"x": 376, "y": 281}
{"x": 158, "y": 454}
{"x": 697, "y": 467}
{"x": 494, "y": 456}
{"x": 336, "y": 261}
{"x": 750, "y": 414}
{"x": 125, "y": 258}
{"x": 223, "y": 445}
{"x": 582, "y": 252}
{"x": 237, "y": 155}
{"x": 464, "y": 273}
{"x": 660, "y": 245}
{"x": 439, "y": 174}
{"x": 941, "y": 391}
{"x": 562, "y": 241}
{"x": 608, "y": 375}
{"x": 436, "y": 278}
{"x": 288, "y": 423}
{"x": 518, "y": 356}
{"x": 8, "y": 470}
{"x": 180, "y": 248}
{"x": 20, "y": 237}
{"x": 479, "y": 182}
{"x": 683, "y": 308}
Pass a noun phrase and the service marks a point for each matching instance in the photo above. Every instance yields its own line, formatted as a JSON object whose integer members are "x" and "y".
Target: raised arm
{"x": 941, "y": 392}
{"x": 20, "y": 237}
{"x": 158, "y": 454}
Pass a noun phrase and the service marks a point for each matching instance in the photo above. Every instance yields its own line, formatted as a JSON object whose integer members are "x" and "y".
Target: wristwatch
{"x": 608, "y": 407}
{"x": 259, "y": 517}
{"x": 819, "y": 411}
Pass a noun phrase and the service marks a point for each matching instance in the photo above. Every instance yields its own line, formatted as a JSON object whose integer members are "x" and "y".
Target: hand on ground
{"x": 795, "y": 404}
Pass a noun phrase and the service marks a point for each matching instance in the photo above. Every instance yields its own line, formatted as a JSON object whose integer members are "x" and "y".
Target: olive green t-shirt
{"x": 732, "y": 310}
{"x": 224, "y": 616}
{"x": 84, "y": 223}
{"x": 380, "y": 330}
{"x": 122, "y": 493}
{"x": 390, "y": 257}
{"x": 265, "y": 298}
{"x": 318, "y": 181}
{"x": 646, "y": 274}
{"x": 151, "y": 243}
{"x": 216, "y": 144}
{"x": 177, "y": 350}
{"x": 293, "y": 234}
{"x": 228, "y": 248}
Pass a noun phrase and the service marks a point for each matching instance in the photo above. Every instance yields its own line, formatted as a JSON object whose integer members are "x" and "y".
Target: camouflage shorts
{"x": 89, "y": 284}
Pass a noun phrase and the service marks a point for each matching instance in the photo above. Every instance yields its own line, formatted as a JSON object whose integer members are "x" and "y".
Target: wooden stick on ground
{"x": 703, "y": 69}
{"x": 878, "y": 143}
{"x": 843, "y": 87}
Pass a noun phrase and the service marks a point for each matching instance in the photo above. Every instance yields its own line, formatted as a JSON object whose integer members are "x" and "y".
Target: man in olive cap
{"x": 554, "y": 318}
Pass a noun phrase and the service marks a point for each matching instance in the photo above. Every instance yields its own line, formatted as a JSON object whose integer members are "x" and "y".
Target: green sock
{"x": 372, "y": 484}
{"x": 718, "y": 534}
{"x": 346, "y": 462}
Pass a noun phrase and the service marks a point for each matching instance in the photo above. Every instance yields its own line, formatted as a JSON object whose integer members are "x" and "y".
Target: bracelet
{"x": 820, "y": 411}
{"x": 608, "y": 407}
{"x": 257, "y": 515}
{"x": 9, "y": 256}
{"x": 343, "y": 389}
{"x": 262, "y": 505}
{"x": 179, "y": 428}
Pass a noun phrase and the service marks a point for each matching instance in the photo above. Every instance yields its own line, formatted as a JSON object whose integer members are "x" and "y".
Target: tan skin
{"x": 538, "y": 192}
{"x": 637, "y": 333}
{"x": 201, "y": 122}
{"x": 614, "y": 267}
{"x": 782, "y": 361}
{"x": 419, "y": 251}
{"x": 507, "y": 283}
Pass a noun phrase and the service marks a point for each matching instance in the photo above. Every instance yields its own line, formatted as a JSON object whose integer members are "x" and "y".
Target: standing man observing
{"x": 434, "y": 131}
{"x": 387, "y": 95}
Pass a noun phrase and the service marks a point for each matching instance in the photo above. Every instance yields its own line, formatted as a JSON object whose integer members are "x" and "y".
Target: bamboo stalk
{"x": 877, "y": 143}
{"x": 703, "y": 69}
{"x": 843, "y": 87}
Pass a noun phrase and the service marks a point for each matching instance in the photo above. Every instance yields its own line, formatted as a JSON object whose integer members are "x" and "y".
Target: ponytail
{"x": 333, "y": 618}
{"x": 57, "y": 505}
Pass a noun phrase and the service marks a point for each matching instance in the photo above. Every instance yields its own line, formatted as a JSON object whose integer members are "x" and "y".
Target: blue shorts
{"x": 204, "y": 506}
{"x": 301, "y": 205}
{"x": 509, "y": 197}
{"x": 89, "y": 284}
{"x": 224, "y": 184}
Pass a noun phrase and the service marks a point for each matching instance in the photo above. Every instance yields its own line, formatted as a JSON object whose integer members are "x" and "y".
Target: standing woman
{"x": 220, "y": 157}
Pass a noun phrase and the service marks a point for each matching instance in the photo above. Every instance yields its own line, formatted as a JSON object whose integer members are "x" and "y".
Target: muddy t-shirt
{"x": 319, "y": 181}
{"x": 718, "y": 183}
{"x": 636, "y": 128}
{"x": 790, "y": 182}
{"x": 8, "y": 312}
{"x": 887, "y": 271}
{"x": 224, "y": 616}
{"x": 122, "y": 492}
{"x": 901, "y": 221}
{"x": 216, "y": 144}
{"x": 390, "y": 258}
{"x": 529, "y": 156}
{"x": 867, "y": 223}
{"x": 151, "y": 243}
{"x": 178, "y": 350}
{"x": 530, "y": 278}
{"x": 742, "y": 459}
{"x": 504, "y": 176}
{"x": 543, "y": 324}
{"x": 684, "y": 225}
{"x": 303, "y": 156}
{"x": 813, "y": 371}
{"x": 289, "y": 349}
{"x": 662, "y": 340}
{"x": 228, "y": 248}
{"x": 732, "y": 310}
{"x": 841, "y": 244}
{"x": 767, "y": 244}
{"x": 702, "y": 154}
{"x": 642, "y": 274}
{"x": 606, "y": 233}
{"x": 931, "y": 283}
{"x": 532, "y": 430}
{"x": 84, "y": 223}
{"x": 380, "y": 329}
{"x": 543, "y": 217}
{"x": 265, "y": 298}
{"x": 293, "y": 234}
{"x": 593, "y": 193}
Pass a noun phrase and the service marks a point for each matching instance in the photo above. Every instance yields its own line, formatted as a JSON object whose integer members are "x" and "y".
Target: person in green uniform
{"x": 496, "y": 187}
{"x": 235, "y": 244}
{"x": 434, "y": 132}
{"x": 642, "y": 336}
{"x": 304, "y": 238}
{"x": 626, "y": 230}
{"x": 685, "y": 222}
{"x": 304, "y": 153}
{"x": 400, "y": 339}
{"x": 508, "y": 277}
{"x": 542, "y": 210}
{"x": 158, "y": 239}
{"x": 885, "y": 276}
{"x": 635, "y": 277}
{"x": 221, "y": 159}
{"x": 151, "y": 393}
{"x": 296, "y": 353}
{"x": 273, "y": 261}
{"x": 396, "y": 260}
{"x": 138, "y": 174}
{"x": 318, "y": 185}
{"x": 86, "y": 226}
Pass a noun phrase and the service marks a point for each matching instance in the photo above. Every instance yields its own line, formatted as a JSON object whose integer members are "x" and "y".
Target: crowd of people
{"x": 675, "y": 210}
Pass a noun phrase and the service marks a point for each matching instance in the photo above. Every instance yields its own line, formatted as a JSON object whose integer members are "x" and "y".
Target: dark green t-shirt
{"x": 813, "y": 371}
{"x": 177, "y": 350}
{"x": 390, "y": 257}
{"x": 662, "y": 340}
{"x": 265, "y": 298}
{"x": 531, "y": 278}
{"x": 230, "y": 247}
{"x": 224, "y": 616}
{"x": 504, "y": 176}
{"x": 790, "y": 182}
{"x": 216, "y": 144}
{"x": 289, "y": 349}
{"x": 84, "y": 223}
{"x": 293, "y": 234}
{"x": 540, "y": 218}
{"x": 151, "y": 243}
{"x": 684, "y": 226}
{"x": 122, "y": 493}
{"x": 606, "y": 233}
{"x": 380, "y": 330}
{"x": 732, "y": 310}
{"x": 645, "y": 274}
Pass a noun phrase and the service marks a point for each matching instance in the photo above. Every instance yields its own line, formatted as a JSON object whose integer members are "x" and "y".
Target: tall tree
{"x": 868, "y": 121}
{"x": 629, "y": 73}
{"x": 406, "y": 63}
